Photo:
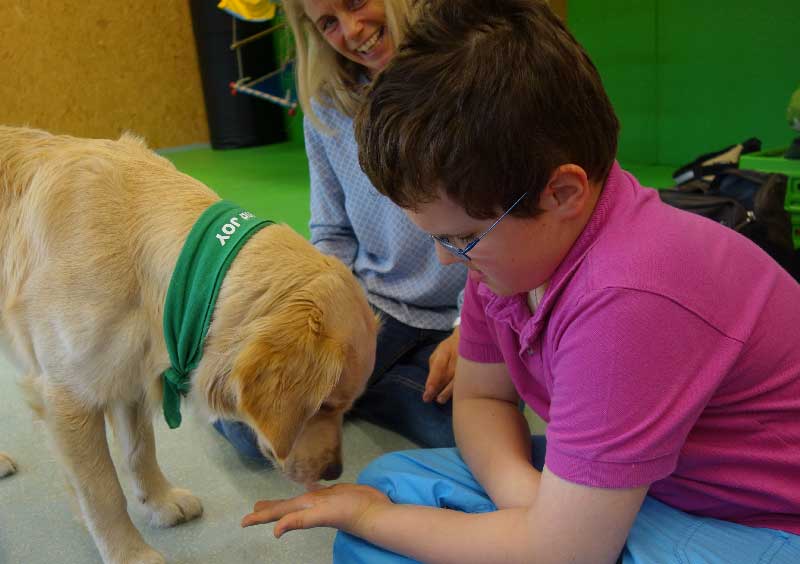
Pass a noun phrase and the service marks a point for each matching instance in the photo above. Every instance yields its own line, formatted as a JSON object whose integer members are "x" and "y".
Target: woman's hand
{"x": 442, "y": 369}
{"x": 342, "y": 506}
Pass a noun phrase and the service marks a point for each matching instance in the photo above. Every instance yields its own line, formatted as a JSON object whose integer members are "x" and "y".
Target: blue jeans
{"x": 393, "y": 397}
{"x": 660, "y": 535}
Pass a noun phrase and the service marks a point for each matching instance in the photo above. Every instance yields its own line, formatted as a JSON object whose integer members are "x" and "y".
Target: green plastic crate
{"x": 774, "y": 161}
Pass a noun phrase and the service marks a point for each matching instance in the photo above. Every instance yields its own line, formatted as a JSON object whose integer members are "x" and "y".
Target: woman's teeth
{"x": 370, "y": 43}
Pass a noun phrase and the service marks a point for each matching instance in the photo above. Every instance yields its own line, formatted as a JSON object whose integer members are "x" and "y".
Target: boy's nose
{"x": 446, "y": 257}
{"x": 332, "y": 471}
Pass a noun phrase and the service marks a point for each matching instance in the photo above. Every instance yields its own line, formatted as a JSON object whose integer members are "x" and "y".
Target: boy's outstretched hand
{"x": 342, "y": 506}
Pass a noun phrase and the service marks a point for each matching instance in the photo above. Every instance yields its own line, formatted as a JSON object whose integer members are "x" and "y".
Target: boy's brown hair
{"x": 484, "y": 100}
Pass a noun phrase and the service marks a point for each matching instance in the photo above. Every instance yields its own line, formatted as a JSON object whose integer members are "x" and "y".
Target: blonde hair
{"x": 324, "y": 75}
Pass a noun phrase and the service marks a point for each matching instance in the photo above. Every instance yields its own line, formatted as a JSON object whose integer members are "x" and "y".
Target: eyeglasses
{"x": 462, "y": 253}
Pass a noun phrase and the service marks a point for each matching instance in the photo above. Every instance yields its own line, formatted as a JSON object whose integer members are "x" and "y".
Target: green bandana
{"x": 213, "y": 243}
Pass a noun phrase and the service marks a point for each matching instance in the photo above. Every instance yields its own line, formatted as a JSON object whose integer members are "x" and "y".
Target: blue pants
{"x": 393, "y": 397}
{"x": 660, "y": 534}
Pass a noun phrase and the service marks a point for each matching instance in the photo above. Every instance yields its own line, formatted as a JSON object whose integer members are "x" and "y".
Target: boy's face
{"x": 511, "y": 259}
{"x": 519, "y": 254}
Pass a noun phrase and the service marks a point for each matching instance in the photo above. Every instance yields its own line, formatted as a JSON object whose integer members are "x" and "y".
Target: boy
{"x": 659, "y": 346}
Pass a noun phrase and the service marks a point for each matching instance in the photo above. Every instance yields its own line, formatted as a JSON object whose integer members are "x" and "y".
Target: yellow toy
{"x": 250, "y": 10}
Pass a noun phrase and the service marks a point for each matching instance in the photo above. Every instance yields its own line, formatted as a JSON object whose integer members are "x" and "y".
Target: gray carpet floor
{"x": 38, "y": 525}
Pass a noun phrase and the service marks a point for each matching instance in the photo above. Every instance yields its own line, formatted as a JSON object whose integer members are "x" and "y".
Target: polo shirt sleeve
{"x": 476, "y": 341}
{"x": 631, "y": 373}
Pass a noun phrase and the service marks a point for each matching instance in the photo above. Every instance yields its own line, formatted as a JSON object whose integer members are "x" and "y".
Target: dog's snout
{"x": 332, "y": 471}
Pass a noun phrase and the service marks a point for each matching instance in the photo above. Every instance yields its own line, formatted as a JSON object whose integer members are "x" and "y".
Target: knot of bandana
{"x": 214, "y": 241}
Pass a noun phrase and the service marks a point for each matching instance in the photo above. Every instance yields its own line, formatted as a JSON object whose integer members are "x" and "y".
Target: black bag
{"x": 707, "y": 165}
{"x": 747, "y": 201}
{"x": 721, "y": 209}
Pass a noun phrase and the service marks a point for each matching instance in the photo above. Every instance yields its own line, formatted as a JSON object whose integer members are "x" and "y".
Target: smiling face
{"x": 356, "y": 29}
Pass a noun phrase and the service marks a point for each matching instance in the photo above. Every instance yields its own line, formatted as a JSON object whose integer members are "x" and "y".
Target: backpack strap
{"x": 711, "y": 164}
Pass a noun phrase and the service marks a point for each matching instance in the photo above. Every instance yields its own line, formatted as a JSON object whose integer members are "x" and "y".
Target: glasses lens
{"x": 456, "y": 252}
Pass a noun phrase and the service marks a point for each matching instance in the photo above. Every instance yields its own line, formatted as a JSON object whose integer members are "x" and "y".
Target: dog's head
{"x": 304, "y": 355}
{"x": 298, "y": 375}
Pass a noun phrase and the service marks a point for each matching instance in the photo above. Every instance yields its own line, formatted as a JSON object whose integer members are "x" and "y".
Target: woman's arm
{"x": 331, "y": 231}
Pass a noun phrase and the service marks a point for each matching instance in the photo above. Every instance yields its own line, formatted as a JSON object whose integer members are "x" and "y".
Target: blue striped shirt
{"x": 394, "y": 261}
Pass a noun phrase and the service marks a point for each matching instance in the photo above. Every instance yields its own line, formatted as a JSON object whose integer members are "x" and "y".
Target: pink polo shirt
{"x": 666, "y": 351}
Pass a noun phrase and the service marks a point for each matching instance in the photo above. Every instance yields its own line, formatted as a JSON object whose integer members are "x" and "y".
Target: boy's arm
{"x": 566, "y": 523}
{"x": 492, "y": 433}
{"x": 542, "y": 518}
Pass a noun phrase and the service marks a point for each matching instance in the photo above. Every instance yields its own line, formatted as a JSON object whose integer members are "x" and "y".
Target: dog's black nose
{"x": 332, "y": 471}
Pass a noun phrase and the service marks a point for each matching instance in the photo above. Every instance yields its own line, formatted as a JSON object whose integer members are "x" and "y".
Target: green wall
{"x": 689, "y": 77}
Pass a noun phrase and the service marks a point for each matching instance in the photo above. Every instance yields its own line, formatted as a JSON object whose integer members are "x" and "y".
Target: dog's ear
{"x": 220, "y": 397}
{"x": 286, "y": 371}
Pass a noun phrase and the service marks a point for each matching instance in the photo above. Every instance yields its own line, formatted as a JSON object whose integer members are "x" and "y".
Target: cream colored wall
{"x": 96, "y": 68}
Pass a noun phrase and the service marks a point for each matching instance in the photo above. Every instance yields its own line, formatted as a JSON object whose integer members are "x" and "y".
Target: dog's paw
{"x": 144, "y": 555}
{"x": 7, "y": 466}
{"x": 175, "y": 507}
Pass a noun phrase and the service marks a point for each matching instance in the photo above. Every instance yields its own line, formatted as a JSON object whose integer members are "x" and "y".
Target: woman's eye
{"x": 326, "y": 24}
{"x": 356, "y": 4}
{"x": 465, "y": 239}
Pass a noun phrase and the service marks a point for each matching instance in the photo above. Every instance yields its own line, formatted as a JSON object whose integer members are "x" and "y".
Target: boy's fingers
{"x": 268, "y": 511}
{"x": 435, "y": 379}
{"x": 440, "y": 377}
{"x": 256, "y": 519}
{"x": 433, "y": 386}
{"x": 262, "y": 505}
{"x": 446, "y": 394}
{"x": 296, "y": 521}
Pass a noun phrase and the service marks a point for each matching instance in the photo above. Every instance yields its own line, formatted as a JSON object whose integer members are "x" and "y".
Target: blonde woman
{"x": 341, "y": 45}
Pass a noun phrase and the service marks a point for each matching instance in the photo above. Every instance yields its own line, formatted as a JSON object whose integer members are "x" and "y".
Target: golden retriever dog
{"x": 90, "y": 232}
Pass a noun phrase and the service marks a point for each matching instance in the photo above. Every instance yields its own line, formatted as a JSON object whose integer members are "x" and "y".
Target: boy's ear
{"x": 567, "y": 192}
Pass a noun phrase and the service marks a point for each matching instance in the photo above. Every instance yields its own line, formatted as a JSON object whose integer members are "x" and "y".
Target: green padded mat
{"x": 271, "y": 180}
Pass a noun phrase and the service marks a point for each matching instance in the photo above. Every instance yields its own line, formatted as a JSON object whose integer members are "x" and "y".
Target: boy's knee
{"x": 397, "y": 474}
{"x": 378, "y": 472}
{"x": 437, "y": 477}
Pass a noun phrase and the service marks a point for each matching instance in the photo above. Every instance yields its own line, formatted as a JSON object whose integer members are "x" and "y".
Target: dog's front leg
{"x": 79, "y": 437}
{"x": 7, "y": 466}
{"x": 167, "y": 505}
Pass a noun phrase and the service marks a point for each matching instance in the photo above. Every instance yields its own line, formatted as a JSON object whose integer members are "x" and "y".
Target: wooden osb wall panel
{"x": 96, "y": 68}
{"x": 560, "y": 8}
